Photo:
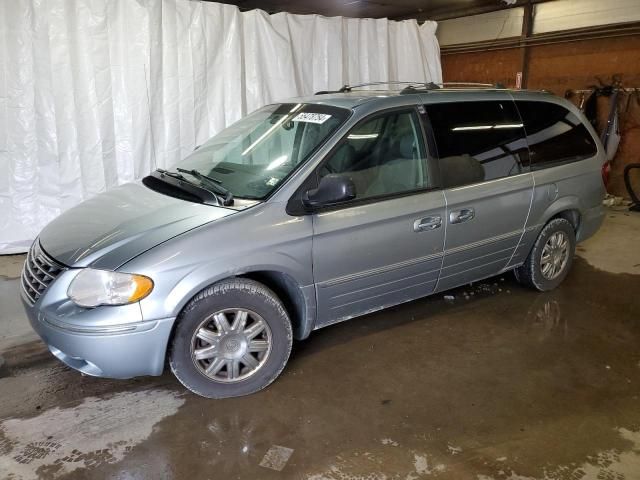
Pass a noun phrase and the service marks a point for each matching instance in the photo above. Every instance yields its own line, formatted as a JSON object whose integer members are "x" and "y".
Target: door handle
{"x": 427, "y": 223}
{"x": 462, "y": 215}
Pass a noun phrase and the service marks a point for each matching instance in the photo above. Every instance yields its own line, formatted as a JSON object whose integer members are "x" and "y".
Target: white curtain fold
{"x": 96, "y": 93}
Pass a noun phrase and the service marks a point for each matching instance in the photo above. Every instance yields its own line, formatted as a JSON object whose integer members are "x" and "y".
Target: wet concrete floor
{"x": 499, "y": 383}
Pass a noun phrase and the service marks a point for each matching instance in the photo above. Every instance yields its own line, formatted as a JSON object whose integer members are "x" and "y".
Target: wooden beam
{"x": 448, "y": 13}
{"x": 550, "y": 38}
{"x": 527, "y": 29}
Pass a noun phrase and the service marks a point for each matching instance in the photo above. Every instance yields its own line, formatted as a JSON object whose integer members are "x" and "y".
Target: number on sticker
{"x": 312, "y": 117}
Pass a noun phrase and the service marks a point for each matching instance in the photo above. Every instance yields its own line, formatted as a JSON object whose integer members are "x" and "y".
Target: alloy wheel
{"x": 231, "y": 345}
{"x": 555, "y": 255}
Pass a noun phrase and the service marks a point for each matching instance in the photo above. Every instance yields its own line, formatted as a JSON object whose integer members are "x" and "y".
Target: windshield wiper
{"x": 216, "y": 185}
{"x": 171, "y": 174}
{"x": 178, "y": 181}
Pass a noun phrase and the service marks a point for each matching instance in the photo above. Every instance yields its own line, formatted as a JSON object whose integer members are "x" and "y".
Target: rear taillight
{"x": 606, "y": 170}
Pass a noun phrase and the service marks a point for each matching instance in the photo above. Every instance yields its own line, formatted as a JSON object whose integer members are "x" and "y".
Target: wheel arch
{"x": 298, "y": 301}
{"x": 300, "y": 305}
{"x": 572, "y": 215}
{"x": 565, "y": 207}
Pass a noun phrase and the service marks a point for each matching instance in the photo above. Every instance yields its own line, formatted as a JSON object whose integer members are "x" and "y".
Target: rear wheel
{"x": 550, "y": 258}
{"x": 232, "y": 339}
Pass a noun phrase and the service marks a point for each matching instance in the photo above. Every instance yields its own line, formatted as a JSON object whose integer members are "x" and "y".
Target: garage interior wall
{"x": 557, "y": 67}
{"x": 97, "y": 93}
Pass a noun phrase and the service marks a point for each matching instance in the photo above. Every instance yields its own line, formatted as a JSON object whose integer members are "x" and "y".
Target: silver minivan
{"x": 308, "y": 213}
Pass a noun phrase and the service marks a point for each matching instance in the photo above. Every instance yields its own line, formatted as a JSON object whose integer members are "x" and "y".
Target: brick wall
{"x": 564, "y": 66}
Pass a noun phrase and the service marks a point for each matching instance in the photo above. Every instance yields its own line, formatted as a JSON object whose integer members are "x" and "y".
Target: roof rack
{"x": 474, "y": 84}
{"x": 415, "y": 87}
{"x": 452, "y": 85}
{"x": 348, "y": 88}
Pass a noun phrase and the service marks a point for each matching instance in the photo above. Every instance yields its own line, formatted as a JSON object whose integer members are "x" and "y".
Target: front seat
{"x": 402, "y": 172}
{"x": 342, "y": 160}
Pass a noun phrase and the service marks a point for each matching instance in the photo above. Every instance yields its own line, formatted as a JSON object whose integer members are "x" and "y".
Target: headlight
{"x": 92, "y": 288}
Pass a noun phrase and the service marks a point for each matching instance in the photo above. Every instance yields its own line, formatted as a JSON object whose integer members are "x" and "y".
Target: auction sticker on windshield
{"x": 312, "y": 117}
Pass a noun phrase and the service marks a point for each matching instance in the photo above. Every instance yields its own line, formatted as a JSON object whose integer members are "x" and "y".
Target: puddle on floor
{"x": 506, "y": 384}
{"x": 98, "y": 431}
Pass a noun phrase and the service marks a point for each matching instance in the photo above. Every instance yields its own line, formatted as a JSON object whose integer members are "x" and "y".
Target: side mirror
{"x": 332, "y": 189}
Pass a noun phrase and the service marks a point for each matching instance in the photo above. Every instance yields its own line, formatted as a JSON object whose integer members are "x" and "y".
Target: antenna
{"x": 153, "y": 138}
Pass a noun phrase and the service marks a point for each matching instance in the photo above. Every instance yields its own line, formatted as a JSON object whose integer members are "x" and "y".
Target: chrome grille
{"x": 38, "y": 272}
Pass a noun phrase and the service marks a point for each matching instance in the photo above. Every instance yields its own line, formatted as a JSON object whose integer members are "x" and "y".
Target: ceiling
{"x": 393, "y": 9}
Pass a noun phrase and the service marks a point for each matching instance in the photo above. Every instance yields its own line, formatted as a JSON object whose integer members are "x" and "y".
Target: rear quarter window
{"x": 554, "y": 134}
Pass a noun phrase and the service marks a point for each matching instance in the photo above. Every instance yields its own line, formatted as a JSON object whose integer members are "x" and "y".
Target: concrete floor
{"x": 499, "y": 383}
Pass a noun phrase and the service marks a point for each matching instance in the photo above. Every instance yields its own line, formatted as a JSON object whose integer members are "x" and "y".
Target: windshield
{"x": 254, "y": 155}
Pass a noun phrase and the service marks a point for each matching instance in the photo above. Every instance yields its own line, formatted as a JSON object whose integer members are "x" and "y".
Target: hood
{"x": 112, "y": 228}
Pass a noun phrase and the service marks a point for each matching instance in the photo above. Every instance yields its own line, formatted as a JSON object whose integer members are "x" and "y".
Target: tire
{"x": 531, "y": 273}
{"x": 223, "y": 325}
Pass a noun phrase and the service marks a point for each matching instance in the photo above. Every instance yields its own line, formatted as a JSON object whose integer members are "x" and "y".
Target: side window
{"x": 309, "y": 136}
{"x": 554, "y": 134}
{"x": 478, "y": 141}
{"x": 383, "y": 156}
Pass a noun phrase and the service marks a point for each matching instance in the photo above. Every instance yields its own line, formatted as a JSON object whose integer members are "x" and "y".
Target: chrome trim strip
{"x": 475, "y": 268}
{"x": 44, "y": 272}
{"x": 488, "y": 182}
{"x": 34, "y": 276}
{"x": 478, "y": 257}
{"x": 379, "y": 270}
{"x": 38, "y": 264}
{"x": 45, "y": 258}
{"x": 385, "y": 294}
{"x": 26, "y": 291}
{"x": 408, "y": 263}
{"x": 481, "y": 243}
{"x": 351, "y": 292}
{"x": 139, "y": 327}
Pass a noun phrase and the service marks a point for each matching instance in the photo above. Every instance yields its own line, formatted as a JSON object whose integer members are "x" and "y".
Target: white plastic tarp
{"x": 96, "y": 93}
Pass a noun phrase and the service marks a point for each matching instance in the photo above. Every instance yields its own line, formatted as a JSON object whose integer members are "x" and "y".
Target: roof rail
{"x": 454, "y": 85}
{"x": 415, "y": 87}
{"x": 348, "y": 88}
{"x": 469, "y": 84}
{"x": 345, "y": 88}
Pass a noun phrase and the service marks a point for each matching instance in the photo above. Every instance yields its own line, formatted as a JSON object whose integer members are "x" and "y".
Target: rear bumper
{"x": 122, "y": 351}
{"x": 590, "y": 222}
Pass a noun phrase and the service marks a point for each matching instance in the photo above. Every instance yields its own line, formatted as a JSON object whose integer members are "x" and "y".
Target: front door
{"x": 484, "y": 166}
{"x": 385, "y": 247}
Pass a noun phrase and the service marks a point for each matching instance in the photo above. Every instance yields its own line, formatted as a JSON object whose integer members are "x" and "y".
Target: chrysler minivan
{"x": 307, "y": 213}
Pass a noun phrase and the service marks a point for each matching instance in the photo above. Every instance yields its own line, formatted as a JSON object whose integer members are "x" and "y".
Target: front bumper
{"x": 118, "y": 351}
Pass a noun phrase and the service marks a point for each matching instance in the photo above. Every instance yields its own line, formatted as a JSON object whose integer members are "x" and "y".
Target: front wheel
{"x": 234, "y": 338}
{"x": 550, "y": 258}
